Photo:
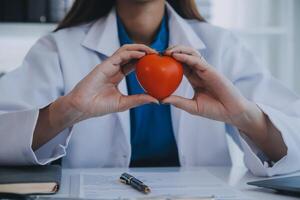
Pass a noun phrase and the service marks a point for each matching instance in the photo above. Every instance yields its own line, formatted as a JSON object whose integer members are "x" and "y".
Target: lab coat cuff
{"x": 258, "y": 163}
{"x": 16, "y": 150}
{"x": 255, "y": 150}
{"x": 54, "y": 149}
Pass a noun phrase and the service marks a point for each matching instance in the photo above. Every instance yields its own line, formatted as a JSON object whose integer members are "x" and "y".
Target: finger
{"x": 192, "y": 61}
{"x": 207, "y": 75}
{"x": 137, "y": 47}
{"x": 182, "y": 49}
{"x": 129, "y": 67}
{"x": 193, "y": 78}
{"x": 125, "y": 57}
{"x": 112, "y": 66}
{"x": 171, "y": 47}
{"x": 131, "y": 101}
{"x": 188, "y": 105}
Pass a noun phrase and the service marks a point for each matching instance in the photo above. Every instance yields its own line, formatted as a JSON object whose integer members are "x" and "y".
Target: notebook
{"x": 284, "y": 185}
{"x": 30, "y": 179}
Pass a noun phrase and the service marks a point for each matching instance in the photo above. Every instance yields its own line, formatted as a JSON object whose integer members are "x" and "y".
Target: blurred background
{"x": 268, "y": 27}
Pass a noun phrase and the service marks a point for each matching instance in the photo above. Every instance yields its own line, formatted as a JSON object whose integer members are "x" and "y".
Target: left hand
{"x": 215, "y": 96}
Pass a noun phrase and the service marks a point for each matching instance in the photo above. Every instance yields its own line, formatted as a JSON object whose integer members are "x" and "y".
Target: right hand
{"x": 98, "y": 94}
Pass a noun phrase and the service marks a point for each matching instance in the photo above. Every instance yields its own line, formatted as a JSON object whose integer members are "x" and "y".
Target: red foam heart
{"x": 159, "y": 75}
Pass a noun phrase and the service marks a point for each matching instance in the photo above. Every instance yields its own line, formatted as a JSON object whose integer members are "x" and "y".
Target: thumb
{"x": 132, "y": 101}
{"x": 188, "y": 105}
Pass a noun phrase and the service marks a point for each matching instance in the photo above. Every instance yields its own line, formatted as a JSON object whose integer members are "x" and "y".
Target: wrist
{"x": 63, "y": 114}
{"x": 257, "y": 126}
{"x": 253, "y": 122}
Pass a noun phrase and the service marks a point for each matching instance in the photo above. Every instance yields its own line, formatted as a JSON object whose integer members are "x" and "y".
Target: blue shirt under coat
{"x": 152, "y": 138}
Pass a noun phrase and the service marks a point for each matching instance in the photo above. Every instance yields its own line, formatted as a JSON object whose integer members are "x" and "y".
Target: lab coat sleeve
{"x": 281, "y": 105}
{"x": 32, "y": 86}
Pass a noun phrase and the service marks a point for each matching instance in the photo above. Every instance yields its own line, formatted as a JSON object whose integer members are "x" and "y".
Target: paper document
{"x": 164, "y": 185}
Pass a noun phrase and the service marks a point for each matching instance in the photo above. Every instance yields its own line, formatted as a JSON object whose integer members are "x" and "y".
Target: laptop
{"x": 287, "y": 185}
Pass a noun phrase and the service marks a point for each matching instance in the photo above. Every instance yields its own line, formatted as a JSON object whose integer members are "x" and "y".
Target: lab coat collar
{"x": 102, "y": 37}
{"x": 103, "y": 34}
{"x": 181, "y": 33}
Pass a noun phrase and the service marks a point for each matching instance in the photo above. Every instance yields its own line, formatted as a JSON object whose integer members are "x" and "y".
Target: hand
{"x": 98, "y": 94}
{"x": 95, "y": 95}
{"x": 215, "y": 96}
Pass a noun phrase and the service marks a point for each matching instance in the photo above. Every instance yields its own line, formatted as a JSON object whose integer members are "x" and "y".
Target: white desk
{"x": 234, "y": 177}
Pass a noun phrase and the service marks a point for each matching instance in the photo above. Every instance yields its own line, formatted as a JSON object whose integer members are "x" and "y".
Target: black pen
{"x": 135, "y": 183}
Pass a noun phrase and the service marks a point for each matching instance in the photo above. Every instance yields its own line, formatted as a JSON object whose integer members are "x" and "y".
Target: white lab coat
{"x": 58, "y": 61}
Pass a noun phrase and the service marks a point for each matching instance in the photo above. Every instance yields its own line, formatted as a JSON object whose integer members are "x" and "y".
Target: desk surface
{"x": 236, "y": 177}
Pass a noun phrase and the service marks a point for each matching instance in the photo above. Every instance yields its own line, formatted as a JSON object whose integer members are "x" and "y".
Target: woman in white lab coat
{"x": 69, "y": 98}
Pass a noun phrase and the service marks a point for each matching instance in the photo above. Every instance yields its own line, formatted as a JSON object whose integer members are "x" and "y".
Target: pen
{"x": 135, "y": 183}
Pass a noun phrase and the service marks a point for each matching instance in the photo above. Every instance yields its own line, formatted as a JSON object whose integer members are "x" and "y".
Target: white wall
{"x": 267, "y": 28}
{"x": 15, "y": 41}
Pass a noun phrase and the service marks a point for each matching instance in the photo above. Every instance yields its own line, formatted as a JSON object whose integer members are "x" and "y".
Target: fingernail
{"x": 156, "y": 102}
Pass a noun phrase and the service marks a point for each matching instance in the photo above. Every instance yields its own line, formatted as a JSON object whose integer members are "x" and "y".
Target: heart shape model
{"x": 159, "y": 75}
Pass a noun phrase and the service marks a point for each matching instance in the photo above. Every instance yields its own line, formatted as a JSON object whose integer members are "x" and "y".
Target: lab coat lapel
{"x": 181, "y": 33}
{"x": 103, "y": 38}
{"x": 124, "y": 117}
